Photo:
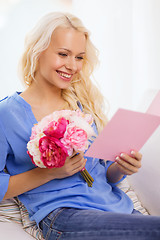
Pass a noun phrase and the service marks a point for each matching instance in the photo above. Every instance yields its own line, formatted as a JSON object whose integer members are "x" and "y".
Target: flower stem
{"x": 87, "y": 177}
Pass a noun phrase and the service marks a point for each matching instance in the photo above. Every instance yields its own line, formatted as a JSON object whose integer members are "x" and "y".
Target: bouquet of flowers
{"x": 57, "y": 135}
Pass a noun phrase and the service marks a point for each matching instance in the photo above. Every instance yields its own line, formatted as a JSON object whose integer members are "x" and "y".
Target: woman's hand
{"x": 124, "y": 165}
{"x": 72, "y": 165}
{"x": 128, "y": 165}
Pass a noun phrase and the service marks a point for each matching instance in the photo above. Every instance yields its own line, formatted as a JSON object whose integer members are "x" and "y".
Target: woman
{"x": 56, "y": 65}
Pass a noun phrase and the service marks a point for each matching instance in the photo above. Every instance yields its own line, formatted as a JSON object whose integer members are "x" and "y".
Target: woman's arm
{"x": 36, "y": 177}
{"x": 124, "y": 165}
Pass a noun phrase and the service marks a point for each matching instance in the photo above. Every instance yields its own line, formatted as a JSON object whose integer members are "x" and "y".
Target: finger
{"x": 71, "y": 168}
{"x": 131, "y": 160}
{"x": 123, "y": 170}
{"x": 129, "y": 167}
{"x": 79, "y": 166}
{"x": 77, "y": 158}
{"x": 136, "y": 155}
{"x": 78, "y": 162}
{"x": 72, "y": 157}
{"x": 74, "y": 154}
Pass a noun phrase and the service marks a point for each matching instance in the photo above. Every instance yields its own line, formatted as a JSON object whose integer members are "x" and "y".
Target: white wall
{"x": 146, "y": 47}
{"x": 110, "y": 24}
{"x": 126, "y": 32}
{"x": 17, "y": 17}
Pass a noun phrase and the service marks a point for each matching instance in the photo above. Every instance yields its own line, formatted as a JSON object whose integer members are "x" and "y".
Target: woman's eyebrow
{"x": 70, "y": 50}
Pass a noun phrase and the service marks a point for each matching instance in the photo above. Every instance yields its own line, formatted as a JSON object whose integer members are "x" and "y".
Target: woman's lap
{"x": 70, "y": 223}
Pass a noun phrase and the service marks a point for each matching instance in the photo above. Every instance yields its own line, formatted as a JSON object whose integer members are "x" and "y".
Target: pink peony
{"x": 53, "y": 153}
{"x": 75, "y": 138}
{"x": 56, "y": 129}
{"x": 34, "y": 133}
{"x": 31, "y": 157}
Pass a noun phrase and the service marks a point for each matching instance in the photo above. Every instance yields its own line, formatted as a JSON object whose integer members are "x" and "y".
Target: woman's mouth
{"x": 64, "y": 76}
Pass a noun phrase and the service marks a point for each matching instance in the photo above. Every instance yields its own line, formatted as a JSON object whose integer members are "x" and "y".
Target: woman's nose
{"x": 71, "y": 64}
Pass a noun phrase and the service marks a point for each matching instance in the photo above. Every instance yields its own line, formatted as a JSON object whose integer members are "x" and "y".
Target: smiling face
{"x": 63, "y": 59}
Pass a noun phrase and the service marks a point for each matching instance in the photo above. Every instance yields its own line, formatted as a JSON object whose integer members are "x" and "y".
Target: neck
{"x": 42, "y": 94}
{"x": 44, "y": 101}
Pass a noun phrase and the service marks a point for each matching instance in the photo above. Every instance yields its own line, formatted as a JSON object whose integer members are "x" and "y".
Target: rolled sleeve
{"x": 4, "y": 151}
{"x": 108, "y": 164}
{"x": 4, "y": 181}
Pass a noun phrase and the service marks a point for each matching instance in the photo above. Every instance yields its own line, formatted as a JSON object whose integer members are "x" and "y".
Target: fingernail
{"x": 132, "y": 152}
{"x": 122, "y": 155}
{"x": 117, "y": 158}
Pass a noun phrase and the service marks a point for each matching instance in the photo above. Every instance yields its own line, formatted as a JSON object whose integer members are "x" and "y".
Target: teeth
{"x": 65, "y": 75}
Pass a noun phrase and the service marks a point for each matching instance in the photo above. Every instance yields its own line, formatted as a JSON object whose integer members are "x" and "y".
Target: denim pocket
{"x": 54, "y": 214}
{"x": 49, "y": 232}
{"x": 53, "y": 234}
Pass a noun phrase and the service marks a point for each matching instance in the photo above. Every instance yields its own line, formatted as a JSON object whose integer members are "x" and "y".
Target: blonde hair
{"x": 82, "y": 88}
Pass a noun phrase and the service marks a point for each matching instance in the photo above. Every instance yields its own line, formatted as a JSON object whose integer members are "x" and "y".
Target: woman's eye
{"x": 63, "y": 54}
{"x": 80, "y": 58}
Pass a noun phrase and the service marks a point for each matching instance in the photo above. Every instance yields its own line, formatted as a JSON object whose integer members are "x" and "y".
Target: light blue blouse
{"x": 16, "y": 122}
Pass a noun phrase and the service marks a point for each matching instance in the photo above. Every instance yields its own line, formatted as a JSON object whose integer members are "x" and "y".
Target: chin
{"x": 65, "y": 85}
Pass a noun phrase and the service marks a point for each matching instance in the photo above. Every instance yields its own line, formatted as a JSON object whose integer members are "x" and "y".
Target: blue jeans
{"x": 76, "y": 224}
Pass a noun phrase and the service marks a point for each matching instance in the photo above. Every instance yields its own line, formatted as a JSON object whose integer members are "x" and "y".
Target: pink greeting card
{"x": 126, "y": 130}
{"x": 154, "y": 108}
